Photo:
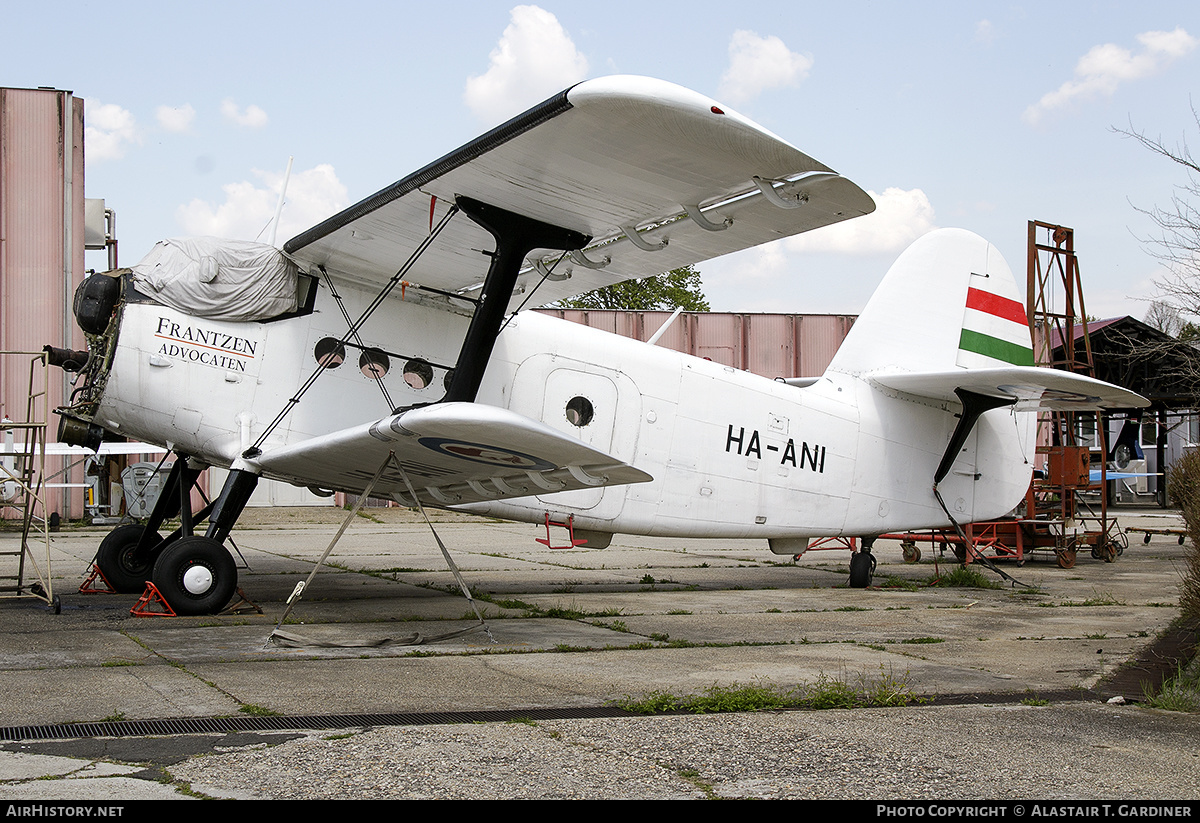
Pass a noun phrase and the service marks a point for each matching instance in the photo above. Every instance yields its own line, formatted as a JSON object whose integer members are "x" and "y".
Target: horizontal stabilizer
{"x": 452, "y": 454}
{"x": 1032, "y": 388}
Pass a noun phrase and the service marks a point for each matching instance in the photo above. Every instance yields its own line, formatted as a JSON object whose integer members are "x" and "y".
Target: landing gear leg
{"x": 127, "y": 554}
{"x": 862, "y": 565}
{"x": 196, "y": 574}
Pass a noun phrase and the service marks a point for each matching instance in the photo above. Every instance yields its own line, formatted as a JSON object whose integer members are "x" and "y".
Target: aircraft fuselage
{"x": 732, "y": 454}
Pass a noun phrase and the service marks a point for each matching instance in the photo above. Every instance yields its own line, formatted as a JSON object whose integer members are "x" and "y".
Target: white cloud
{"x": 900, "y": 217}
{"x": 832, "y": 269}
{"x": 1107, "y": 66}
{"x": 533, "y": 60}
{"x": 176, "y": 118}
{"x": 108, "y": 130}
{"x": 312, "y": 196}
{"x": 757, "y": 64}
{"x": 250, "y": 117}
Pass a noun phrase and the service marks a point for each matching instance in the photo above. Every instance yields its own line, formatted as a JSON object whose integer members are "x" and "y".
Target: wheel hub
{"x": 198, "y": 579}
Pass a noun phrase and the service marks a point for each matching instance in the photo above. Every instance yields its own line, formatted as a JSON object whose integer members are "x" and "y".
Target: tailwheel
{"x": 862, "y": 567}
{"x": 126, "y": 569}
{"x": 195, "y": 575}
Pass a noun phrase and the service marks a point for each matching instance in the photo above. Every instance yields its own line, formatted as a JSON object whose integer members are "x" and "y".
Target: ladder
{"x": 25, "y": 572}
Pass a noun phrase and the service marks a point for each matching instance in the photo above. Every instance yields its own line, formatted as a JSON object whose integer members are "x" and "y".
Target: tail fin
{"x": 948, "y": 318}
{"x": 949, "y": 301}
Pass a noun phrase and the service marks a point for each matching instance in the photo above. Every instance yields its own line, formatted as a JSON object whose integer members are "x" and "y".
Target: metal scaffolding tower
{"x": 1054, "y": 297}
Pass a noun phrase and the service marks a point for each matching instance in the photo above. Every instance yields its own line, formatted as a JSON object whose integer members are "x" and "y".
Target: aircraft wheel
{"x": 862, "y": 567}
{"x": 115, "y": 557}
{"x": 911, "y": 552}
{"x": 196, "y": 575}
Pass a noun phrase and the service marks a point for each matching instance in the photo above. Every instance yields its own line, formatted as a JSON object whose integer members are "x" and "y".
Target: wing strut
{"x": 397, "y": 280}
{"x": 516, "y": 236}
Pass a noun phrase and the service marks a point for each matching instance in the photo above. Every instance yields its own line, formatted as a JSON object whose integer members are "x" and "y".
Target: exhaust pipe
{"x": 66, "y": 359}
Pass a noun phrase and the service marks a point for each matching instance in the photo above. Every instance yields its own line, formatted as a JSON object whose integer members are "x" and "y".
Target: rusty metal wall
{"x": 41, "y": 245}
{"x": 772, "y": 345}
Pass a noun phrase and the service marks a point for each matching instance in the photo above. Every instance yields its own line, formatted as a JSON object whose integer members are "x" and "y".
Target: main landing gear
{"x": 194, "y": 573}
{"x": 862, "y": 565}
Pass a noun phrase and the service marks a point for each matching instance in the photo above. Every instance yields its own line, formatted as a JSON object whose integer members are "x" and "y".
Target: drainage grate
{"x": 222, "y": 725}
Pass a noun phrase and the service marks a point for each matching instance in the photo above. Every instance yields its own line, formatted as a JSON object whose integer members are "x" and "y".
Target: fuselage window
{"x": 418, "y": 374}
{"x": 329, "y": 352}
{"x": 373, "y": 363}
{"x": 580, "y": 411}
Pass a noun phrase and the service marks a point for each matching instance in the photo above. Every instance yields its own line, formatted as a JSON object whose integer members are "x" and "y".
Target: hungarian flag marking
{"x": 994, "y": 328}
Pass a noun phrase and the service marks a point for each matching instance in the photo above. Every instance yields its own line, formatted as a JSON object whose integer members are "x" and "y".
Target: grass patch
{"x": 257, "y": 711}
{"x": 1179, "y": 694}
{"x": 964, "y": 577}
{"x": 714, "y": 699}
{"x": 826, "y": 693}
{"x": 1097, "y": 599}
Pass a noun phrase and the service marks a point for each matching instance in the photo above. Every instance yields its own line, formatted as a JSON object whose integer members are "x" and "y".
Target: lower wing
{"x": 449, "y": 454}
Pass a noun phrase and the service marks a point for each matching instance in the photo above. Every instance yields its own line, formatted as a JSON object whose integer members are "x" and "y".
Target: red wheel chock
{"x": 151, "y": 598}
{"x": 88, "y": 586}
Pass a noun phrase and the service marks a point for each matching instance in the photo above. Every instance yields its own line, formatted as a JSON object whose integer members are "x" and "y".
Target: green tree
{"x": 678, "y": 288}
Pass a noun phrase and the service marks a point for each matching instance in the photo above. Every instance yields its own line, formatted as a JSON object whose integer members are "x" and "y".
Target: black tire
{"x": 195, "y": 575}
{"x": 862, "y": 567}
{"x": 115, "y": 558}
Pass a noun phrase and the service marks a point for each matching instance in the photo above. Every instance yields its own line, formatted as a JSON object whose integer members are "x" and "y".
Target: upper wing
{"x": 606, "y": 158}
{"x": 1033, "y": 388}
{"x": 452, "y": 453}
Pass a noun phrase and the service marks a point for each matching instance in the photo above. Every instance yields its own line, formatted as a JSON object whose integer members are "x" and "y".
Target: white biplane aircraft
{"x": 391, "y": 331}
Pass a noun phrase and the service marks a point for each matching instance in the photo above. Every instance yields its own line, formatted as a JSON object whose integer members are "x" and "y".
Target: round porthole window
{"x": 329, "y": 352}
{"x": 580, "y": 411}
{"x": 373, "y": 363}
{"x": 418, "y": 373}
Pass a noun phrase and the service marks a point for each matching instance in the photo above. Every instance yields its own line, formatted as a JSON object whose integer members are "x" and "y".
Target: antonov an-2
{"x": 392, "y": 329}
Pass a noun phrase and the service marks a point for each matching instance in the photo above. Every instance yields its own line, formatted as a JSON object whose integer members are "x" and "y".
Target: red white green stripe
{"x": 995, "y": 329}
